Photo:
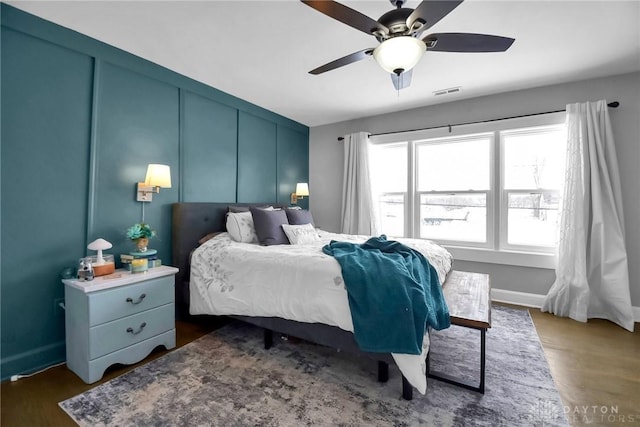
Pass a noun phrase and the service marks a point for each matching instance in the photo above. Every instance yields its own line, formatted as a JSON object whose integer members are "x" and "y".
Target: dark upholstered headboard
{"x": 190, "y": 223}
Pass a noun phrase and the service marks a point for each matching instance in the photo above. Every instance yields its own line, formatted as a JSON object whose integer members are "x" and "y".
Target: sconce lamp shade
{"x": 399, "y": 54}
{"x": 302, "y": 189}
{"x": 158, "y": 176}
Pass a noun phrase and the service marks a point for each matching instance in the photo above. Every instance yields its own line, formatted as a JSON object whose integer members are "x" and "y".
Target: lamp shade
{"x": 399, "y": 53}
{"x": 158, "y": 176}
{"x": 302, "y": 189}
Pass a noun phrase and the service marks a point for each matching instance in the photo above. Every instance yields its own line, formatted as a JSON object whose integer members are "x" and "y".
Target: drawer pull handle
{"x": 142, "y": 325}
{"x": 139, "y": 300}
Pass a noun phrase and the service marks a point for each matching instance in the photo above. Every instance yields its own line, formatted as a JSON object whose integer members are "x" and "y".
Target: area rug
{"x": 226, "y": 378}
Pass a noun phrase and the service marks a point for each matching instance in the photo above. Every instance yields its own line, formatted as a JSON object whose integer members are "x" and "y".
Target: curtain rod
{"x": 614, "y": 104}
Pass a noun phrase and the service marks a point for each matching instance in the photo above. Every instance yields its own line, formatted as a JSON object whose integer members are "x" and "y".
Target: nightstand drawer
{"x": 115, "y": 303}
{"x": 112, "y": 336}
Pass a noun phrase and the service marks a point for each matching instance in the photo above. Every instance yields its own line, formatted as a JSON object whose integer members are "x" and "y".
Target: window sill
{"x": 521, "y": 259}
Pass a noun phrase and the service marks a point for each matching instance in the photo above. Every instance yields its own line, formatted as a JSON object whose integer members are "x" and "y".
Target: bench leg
{"x": 268, "y": 339}
{"x": 383, "y": 371}
{"x": 461, "y": 383}
{"x": 483, "y": 339}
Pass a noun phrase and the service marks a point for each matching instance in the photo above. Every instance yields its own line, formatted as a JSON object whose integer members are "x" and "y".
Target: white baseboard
{"x": 517, "y": 298}
{"x": 533, "y": 300}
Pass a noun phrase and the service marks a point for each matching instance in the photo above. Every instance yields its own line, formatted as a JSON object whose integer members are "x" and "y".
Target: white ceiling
{"x": 261, "y": 51}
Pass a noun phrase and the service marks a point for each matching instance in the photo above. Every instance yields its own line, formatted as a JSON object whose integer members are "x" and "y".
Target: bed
{"x": 205, "y": 289}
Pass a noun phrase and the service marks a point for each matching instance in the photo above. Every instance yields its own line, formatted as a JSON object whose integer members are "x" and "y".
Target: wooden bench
{"x": 469, "y": 301}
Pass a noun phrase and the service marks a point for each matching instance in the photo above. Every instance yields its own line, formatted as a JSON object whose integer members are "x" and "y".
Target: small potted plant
{"x": 141, "y": 233}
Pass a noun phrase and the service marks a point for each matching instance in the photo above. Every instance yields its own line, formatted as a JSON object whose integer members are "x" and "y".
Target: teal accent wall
{"x": 293, "y": 164}
{"x": 46, "y": 111}
{"x": 257, "y": 159}
{"x": 210, "y": 150}
{"x": 137, "y": 124}
{"x": 80, "y": 122}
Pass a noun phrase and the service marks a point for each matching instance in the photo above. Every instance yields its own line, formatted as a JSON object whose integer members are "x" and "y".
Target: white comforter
{"x": 295, "y": 282}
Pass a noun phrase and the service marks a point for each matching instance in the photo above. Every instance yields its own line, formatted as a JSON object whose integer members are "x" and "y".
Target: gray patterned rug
{"x": 226, "y": 378}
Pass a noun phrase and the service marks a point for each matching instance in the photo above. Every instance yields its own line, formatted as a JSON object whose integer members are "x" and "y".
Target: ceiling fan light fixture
{"x": 399, "y": 53}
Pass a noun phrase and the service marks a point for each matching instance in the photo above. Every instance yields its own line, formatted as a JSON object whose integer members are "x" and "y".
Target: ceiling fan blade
{"x": 467, "y": 42}
{"x": 346, "y": 15}
{"x": 402, "y": 81}
{"x": 345, "y": 60}
{"x": 430, "y": 12}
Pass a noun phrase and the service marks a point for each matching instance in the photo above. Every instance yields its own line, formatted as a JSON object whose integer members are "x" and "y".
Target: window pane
{"x": 532, "y": 219}
{"x": 454, "y": 166}
{"x": 391, "y": 209}
{"x": 460, "y": 217}
{"x": 388, "y": 168}
{"x": 534, "y": 159}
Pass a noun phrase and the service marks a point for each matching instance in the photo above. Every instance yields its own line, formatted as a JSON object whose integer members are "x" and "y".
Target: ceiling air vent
{"x": 447, "y": 91}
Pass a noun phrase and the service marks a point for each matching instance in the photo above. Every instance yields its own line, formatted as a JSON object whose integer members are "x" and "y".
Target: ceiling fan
{"x": 399, "y": 33}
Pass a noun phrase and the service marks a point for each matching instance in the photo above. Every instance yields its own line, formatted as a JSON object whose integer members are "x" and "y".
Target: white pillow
{"x": 240, "y": 227}
{"x": 301, "y": 234}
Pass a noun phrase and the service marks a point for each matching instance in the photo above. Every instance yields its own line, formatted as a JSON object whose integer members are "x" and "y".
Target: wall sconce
{"x": 158, "y": 176}
{"x": 302, "y": 190}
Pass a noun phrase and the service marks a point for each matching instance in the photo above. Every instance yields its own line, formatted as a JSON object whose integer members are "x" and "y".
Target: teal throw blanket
{"x": 394, "y": 294}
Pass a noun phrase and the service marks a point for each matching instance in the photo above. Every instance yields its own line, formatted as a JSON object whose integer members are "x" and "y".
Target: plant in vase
{"x": 141, "y": 233}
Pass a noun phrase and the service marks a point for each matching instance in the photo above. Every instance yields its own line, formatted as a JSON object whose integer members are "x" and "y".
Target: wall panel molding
{"x": 88, "y": 118}
{"x": 46, "y": 128}
{"x": 40, "y": 28}
{"x": 93, "y": 149}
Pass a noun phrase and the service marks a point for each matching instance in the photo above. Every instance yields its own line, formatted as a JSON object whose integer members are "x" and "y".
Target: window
{"x": 533, "y": 168}
{"x": 491, "y": 188}
{"x": 389, "y": 182}
{"x": 453, "y": 195}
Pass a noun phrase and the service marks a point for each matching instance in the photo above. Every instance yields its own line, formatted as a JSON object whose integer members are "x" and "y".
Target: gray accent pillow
{"x": 237, "y": 209}
{"x": 268, "y": 225}
{"x": 299, "y": 217}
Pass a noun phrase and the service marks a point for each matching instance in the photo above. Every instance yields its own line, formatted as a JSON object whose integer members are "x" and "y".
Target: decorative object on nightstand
{"x": 102, "y": 264}
{"x": 118, "y": 318}
{"x": 141, "y": 233}
{"x": 140, "y": 261}
{"x": 85, "y": 270}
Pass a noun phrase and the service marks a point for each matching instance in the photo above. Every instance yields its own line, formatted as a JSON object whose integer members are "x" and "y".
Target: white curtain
{"x": 592, "y": 276}
{"x": 357, "y": 203}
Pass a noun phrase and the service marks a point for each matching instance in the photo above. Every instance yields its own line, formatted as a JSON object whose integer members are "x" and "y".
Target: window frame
{"x": 405, "y": 197}
{"x": 503, "y": 234}
{"x": 408, "y": 230}
{"x": 490, "y": 193}
{"x": 496, "y": 250}
{"x": 487, "y": 244}
{"x": 504, "y": 225}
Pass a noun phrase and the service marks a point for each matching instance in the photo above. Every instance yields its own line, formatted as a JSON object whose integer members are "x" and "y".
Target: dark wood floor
{"x": 33, "y": 401}
{"x": 594, "y": 365}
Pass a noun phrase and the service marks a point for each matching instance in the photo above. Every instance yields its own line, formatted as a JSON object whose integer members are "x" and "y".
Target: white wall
{"x": 326, "y": 159}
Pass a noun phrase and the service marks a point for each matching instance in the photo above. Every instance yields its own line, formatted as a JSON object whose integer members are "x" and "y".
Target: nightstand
{"x": 119, "y": 318}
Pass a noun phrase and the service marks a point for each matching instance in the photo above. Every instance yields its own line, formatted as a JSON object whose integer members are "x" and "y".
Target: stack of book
{"x": 150, "y": 256}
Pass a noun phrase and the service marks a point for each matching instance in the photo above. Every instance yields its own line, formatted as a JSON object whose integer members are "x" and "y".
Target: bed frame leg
{"x": 268, "y": 339}
{"x": 407, "y": 389}
{"x": 383, "y": 371}
{"x": 428, "y": 359}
